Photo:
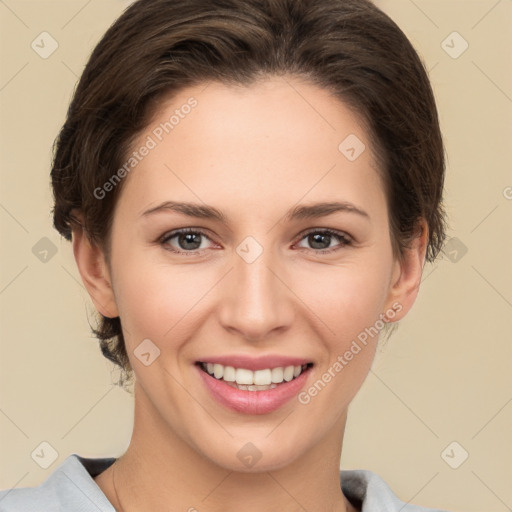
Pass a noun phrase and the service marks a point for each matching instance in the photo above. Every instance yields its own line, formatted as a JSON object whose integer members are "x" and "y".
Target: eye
{"x": 188, "y": 240}
{"x": 320, "y": 240}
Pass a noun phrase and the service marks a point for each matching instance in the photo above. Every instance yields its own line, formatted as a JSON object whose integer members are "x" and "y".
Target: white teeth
{"x": 218, "y": 371}
{"x": 288, "y": 373}
{"x": 253, "y": 380}
{"x": 243, "y": 376}
{"x": 277, "y": 375}
{"x": 229, "y": 374}
{"x": 263, "y": 377}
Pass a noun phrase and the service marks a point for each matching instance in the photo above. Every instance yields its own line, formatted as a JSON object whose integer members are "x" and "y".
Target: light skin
{"x": 253, "y": 153}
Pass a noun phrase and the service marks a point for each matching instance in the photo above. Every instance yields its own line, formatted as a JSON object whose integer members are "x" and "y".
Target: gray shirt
{"x": 71, "y": 488}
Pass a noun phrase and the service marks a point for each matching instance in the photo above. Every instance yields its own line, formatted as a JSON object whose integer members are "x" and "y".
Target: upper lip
{"x": 256, "y": 363}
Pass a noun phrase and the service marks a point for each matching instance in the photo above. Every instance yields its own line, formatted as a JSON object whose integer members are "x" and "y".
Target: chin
{"x": 255, "y": 454}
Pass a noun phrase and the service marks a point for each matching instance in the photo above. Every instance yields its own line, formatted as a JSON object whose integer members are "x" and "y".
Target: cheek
{"x": 348, "y": 297}
{"x": 159, "y": 301}
{"x": 348, "y": 302}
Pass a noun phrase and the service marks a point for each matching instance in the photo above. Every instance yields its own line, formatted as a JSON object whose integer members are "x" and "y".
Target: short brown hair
{"x": 158, "y": 47}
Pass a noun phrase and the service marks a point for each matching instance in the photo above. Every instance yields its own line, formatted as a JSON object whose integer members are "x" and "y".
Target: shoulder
{"x": 69, "y": 487}
{"x": 370, "y": 493}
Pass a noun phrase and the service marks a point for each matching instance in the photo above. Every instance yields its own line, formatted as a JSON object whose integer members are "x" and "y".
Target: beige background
{"x": 444, "y": 376}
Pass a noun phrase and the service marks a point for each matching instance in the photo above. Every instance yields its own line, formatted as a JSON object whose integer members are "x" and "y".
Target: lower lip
{"x": 253, "y": 402}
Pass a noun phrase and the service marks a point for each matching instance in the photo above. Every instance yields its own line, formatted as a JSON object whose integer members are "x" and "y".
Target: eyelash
{"x": 344, "y": 239}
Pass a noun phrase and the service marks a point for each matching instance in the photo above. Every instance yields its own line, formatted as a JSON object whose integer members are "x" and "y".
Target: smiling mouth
{"x": 258, "y": 380}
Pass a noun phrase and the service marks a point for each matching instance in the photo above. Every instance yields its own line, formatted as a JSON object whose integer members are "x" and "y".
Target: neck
{"x": 158, "y": 459}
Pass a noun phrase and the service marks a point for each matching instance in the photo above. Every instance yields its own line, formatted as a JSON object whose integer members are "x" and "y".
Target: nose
{"x": 256, "y": 302}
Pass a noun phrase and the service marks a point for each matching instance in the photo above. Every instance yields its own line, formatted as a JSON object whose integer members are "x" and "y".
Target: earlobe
{"x": 94, "y": 271}
{"x": 407, "y": 274}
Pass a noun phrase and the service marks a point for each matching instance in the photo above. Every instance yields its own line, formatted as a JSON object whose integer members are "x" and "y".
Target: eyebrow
{"x": 300, "y": 212}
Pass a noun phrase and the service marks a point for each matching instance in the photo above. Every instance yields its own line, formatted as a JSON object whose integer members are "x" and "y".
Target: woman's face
{"x": 266, "y": 282}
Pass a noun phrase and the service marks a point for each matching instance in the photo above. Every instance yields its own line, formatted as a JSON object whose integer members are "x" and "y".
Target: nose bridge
{"x": 256, "y": 301}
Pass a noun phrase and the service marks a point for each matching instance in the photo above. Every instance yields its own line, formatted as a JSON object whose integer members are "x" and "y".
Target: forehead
{"x": 277, "y": 140}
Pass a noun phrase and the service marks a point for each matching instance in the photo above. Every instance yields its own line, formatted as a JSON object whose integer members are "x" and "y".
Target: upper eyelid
{"x": 171, "y": 234}
{"x": 337, "y": 232}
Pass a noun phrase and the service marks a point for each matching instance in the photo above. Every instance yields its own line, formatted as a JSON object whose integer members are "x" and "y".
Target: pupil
{"x": 317, "y": 238}
{"x": 188, "y": 238}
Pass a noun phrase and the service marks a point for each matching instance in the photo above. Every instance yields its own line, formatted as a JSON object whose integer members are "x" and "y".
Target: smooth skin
{"x": 253, "y": 153}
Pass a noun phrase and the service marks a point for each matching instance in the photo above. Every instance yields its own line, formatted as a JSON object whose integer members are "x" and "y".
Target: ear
{"x": 407, "y": 272}
{"x": 94, "y": 271}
